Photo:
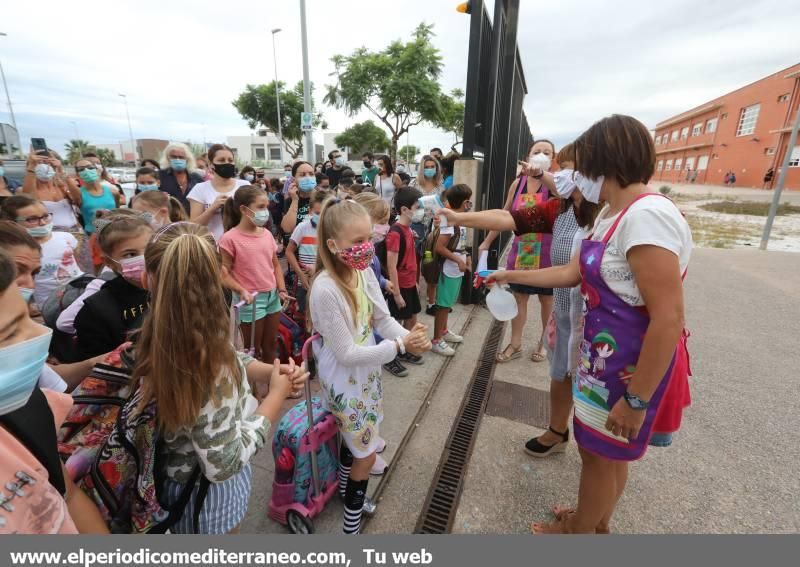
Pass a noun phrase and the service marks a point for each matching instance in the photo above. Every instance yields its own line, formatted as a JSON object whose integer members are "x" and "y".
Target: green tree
{"x": 364, "y": 137}
{"x": 76, "y": 148}
{"x": 452, "y": 117}
{"x": 399, "y": 84}
{"x": 257, "y": 105}
{"x": 106, "y": 156}
{"x": 408, "y": 153}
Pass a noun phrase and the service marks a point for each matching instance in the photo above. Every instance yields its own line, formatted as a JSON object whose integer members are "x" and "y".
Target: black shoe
{"x": 430, "y": 310}
{"x": 396, "y": 368}
{"x": 410, "y": 358}
{"x": 535, "y": 449}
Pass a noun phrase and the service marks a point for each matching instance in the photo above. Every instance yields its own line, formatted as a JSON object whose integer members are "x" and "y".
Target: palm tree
{"x": 75, "y": 149}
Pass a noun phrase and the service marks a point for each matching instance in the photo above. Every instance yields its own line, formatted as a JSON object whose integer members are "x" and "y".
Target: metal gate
{"x": 495, "y": 127}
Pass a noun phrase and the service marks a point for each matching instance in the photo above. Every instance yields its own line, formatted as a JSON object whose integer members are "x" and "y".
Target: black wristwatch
{"x": 635, "y": 402}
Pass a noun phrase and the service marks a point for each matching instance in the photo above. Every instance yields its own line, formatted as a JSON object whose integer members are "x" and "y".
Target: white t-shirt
{"x": 305, "y": 237}
{"x": 58, "y": 265}
{"x": 450, "y": 268}
{"x": 652, "y": 221}
{"x": 205, "y": 194}
{"x": 384, "y": 187}
{"x": 51, "y": 380}
{"x": 63, "y": 215}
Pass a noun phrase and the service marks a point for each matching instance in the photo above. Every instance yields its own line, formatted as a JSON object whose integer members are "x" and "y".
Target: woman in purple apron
{"x": 528, "y": 251}
{"x": 630, "y": 272}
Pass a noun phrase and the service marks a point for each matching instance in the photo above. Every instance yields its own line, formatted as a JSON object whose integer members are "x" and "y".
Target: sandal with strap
{"x": 552, "y": 528}
{"x": 563, "y": 513}
{"x": 536, "y": 448}
{"x": 540, "y": 354}
{"x": 515, "y": 353}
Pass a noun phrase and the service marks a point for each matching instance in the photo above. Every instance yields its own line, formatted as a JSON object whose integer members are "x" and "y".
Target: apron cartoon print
{"x": 529, "y": 251}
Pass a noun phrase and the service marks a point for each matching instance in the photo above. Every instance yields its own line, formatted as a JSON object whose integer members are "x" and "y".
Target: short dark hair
{"x": 347, "y": 172}
{"x": 617, "y": 146}
{"x": 322, "y": 177}
{"x": 437, "y": 150}
{"x": 12, "y": 234}
{"x": 387, "y": 162}
{"x": 297, "y": 165}
{"x": 330, "y": 153}
{"x": 276, "y": 184}
{"x": 147, "y": 171}
{"x": 247, "y": 169}
{"x": 457, "y": 194}
{"x": 368, "y": 155}
{"x": 406, "y": 197}
{"x": 14, "y": 203}
{"x": 150, "y": 161}
{"x": 8, "y": 271}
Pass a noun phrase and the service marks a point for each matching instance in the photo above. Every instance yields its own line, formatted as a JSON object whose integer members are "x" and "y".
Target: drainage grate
{"x": 519, "y": 403}
{"x": 441, "y": 504}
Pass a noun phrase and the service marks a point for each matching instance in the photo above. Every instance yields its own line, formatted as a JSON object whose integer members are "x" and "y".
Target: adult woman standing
{"x": 207, "y": 198}
{"x": 630, "y": 270}
{"x": 387, "y": 181}
{"x": 528, "y": 252}
{"x": 303, "y": 183}
{"x": 177, "y": 174}
{"x": 429, "y": 181}
{"x": 44, "y": 181}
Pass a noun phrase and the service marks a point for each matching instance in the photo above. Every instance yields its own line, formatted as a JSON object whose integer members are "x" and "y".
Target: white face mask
{"x": 564, "y": 183}
{"x": 417, "y": 215}
{"x": 541, "y": 160}
{"x": 44, "y": 172}
{"x": 589, "y": 188}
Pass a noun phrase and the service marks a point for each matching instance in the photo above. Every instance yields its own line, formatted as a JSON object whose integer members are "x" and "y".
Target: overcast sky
{"x": 182, "y": 63}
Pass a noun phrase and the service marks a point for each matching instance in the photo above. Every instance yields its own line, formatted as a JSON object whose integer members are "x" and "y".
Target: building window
{"x": 674, "y": 136}
{"x": 660, "y": 165}
{"x": 668, "y": 167}
{"x": 702, "y": 163}
{"x": 711, "y": 126}
{"x": 685, "y": 133}
{"x": 748, "y": 119}
{"x": 658, "y": 140}
{"x": 769, "y": 151}
{"x": 262, "y": 133}
{"x": 783, "y": 97}
{"x": 275, "y": 153}
{"x": 697, "y": 129}
{"x": 689, "y": 163}
{"x": 794, "y": 159}
{"x": 678, "y": 164}
{"x": 258, "y": 152}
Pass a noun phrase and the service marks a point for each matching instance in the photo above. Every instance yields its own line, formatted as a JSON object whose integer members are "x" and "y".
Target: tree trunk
{"x": 393, "y": 149}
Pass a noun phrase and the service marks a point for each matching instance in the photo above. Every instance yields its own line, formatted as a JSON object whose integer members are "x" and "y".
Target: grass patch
{"x": 752, "y": 208}
{"x": 708, "y": 232}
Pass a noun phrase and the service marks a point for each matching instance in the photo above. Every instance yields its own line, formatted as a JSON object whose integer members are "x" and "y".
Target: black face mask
{"x": 225, "y": 170}
{"x": 367, "y": 163}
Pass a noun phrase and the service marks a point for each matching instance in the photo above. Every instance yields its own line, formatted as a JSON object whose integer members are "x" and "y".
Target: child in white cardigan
{"x": 346, "y": 305}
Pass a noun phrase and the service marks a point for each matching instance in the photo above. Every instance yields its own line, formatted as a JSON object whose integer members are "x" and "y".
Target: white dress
{"x": 348, "y": 359}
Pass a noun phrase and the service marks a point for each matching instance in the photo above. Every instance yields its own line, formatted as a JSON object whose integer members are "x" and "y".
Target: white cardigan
{"x": 333, "y": 320}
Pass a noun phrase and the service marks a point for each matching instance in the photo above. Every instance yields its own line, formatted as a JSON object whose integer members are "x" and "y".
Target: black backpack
{"x": 380, "y": 250}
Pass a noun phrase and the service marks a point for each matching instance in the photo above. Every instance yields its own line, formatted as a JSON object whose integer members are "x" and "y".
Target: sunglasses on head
{"x": 81, "y": 168}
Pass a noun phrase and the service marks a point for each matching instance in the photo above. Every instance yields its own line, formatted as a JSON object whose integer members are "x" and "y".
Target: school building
{"x": 745, "y": 132}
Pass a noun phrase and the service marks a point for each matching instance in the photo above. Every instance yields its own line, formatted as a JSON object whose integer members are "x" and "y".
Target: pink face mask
{"x": 132, "y": 269}
{"x": 379, "y": 232}
{"x": 357, "y": 257}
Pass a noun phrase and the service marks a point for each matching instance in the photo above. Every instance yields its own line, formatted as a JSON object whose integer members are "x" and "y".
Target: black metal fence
{"x": 495, "y": 127}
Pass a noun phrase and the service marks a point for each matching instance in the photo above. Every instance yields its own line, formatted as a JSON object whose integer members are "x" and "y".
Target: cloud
{"x": 181, "y": 64}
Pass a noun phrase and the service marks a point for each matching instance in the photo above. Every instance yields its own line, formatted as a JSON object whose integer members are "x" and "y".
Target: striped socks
{"x": 345, "y": 462}
{"x": 354, "y": 496}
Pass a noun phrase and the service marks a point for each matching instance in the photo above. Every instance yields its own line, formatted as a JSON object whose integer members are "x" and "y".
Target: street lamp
{"x": 8, "y": 98}
{"x": 130, "y": 130}
{"x": 277, "y": 93}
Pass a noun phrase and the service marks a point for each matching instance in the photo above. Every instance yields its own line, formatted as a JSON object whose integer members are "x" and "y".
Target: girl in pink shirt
{"x": 250, "y": 261}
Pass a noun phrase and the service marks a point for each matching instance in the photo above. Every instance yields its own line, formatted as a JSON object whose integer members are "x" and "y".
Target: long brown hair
{"x": 185, "y": 343}
{"x": 335, "y": 216}
{"x": 244, "y": 197}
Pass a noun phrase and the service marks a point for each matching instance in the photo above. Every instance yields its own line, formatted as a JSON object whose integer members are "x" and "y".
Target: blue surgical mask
{"x": 41, "y": 231}
{"x": 26, "y": 294}
{"x": 315, "y": 219}
{"x": 249, "y": 177}
{"x": 20, "y": 367}
{"x": 340, "y": 161}
{"x": 178, "y": 164}
{"x": 89, "y": 175}
{"x": 147, "y": 187}
{"x": 307, "y": 184}
{"x": 259, "y": 217}
{"x": 429, "y": 172}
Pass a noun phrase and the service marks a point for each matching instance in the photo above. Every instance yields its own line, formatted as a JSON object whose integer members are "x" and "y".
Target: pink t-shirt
{"x": 37, "y": 508}
{"x": 252, "y": 258}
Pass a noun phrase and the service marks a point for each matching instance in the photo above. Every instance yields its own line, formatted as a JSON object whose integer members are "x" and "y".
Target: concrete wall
{"x": 748, "y": 156}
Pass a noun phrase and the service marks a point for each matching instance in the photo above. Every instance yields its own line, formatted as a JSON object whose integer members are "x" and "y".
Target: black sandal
{"x": 536, "y": 449}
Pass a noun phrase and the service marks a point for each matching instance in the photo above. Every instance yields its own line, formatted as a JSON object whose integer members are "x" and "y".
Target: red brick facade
{"x": 746, "y": 132}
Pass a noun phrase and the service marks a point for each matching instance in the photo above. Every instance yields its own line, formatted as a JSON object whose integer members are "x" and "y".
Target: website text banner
{"x": 399, "y": 551}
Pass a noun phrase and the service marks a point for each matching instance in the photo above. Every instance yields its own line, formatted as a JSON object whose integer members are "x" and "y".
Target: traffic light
{"x": 464, "y": 8}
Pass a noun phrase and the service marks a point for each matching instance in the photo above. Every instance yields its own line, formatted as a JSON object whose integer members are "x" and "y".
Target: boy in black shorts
{"x": 404, "y": 303}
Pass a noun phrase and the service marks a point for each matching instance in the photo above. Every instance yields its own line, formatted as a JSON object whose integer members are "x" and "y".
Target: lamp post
{"x": 130, "y": 130}
{"x": 8, "y": 99}
{"x": 277, "y": 93}
{"x": 309, "y": 140}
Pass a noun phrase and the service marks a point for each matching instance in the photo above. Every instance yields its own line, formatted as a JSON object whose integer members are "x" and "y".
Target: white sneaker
{"x": 443, "y": 348}
{"x": 451, "y": 337}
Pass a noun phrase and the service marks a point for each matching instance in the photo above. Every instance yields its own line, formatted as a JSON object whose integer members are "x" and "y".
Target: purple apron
{"x": 529, "y": 251}
{"x": 612, "y": 341}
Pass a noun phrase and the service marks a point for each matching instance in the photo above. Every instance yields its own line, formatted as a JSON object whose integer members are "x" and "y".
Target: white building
{"x": 9, "y": 142}
{"x": 260, "y": 147}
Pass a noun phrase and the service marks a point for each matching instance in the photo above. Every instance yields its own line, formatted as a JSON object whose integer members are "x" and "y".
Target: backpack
{"x": 431, "y": 269}
{"x": 290, "y": 340}
{"x": 114, "y": 453}
{"x": 66, "y": 294}
{"x": 381, "y": 252}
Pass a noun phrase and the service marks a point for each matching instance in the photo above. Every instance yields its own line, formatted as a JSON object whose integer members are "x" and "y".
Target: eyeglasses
{"x": 35, "y": 220}
{"x": 79, "y": 169}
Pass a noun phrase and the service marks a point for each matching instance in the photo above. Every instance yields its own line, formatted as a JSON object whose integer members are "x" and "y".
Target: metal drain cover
{"x": 519, "y": 403}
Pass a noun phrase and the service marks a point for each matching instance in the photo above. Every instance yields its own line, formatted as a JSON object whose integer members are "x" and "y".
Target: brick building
{"x": 745, "y": 131}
